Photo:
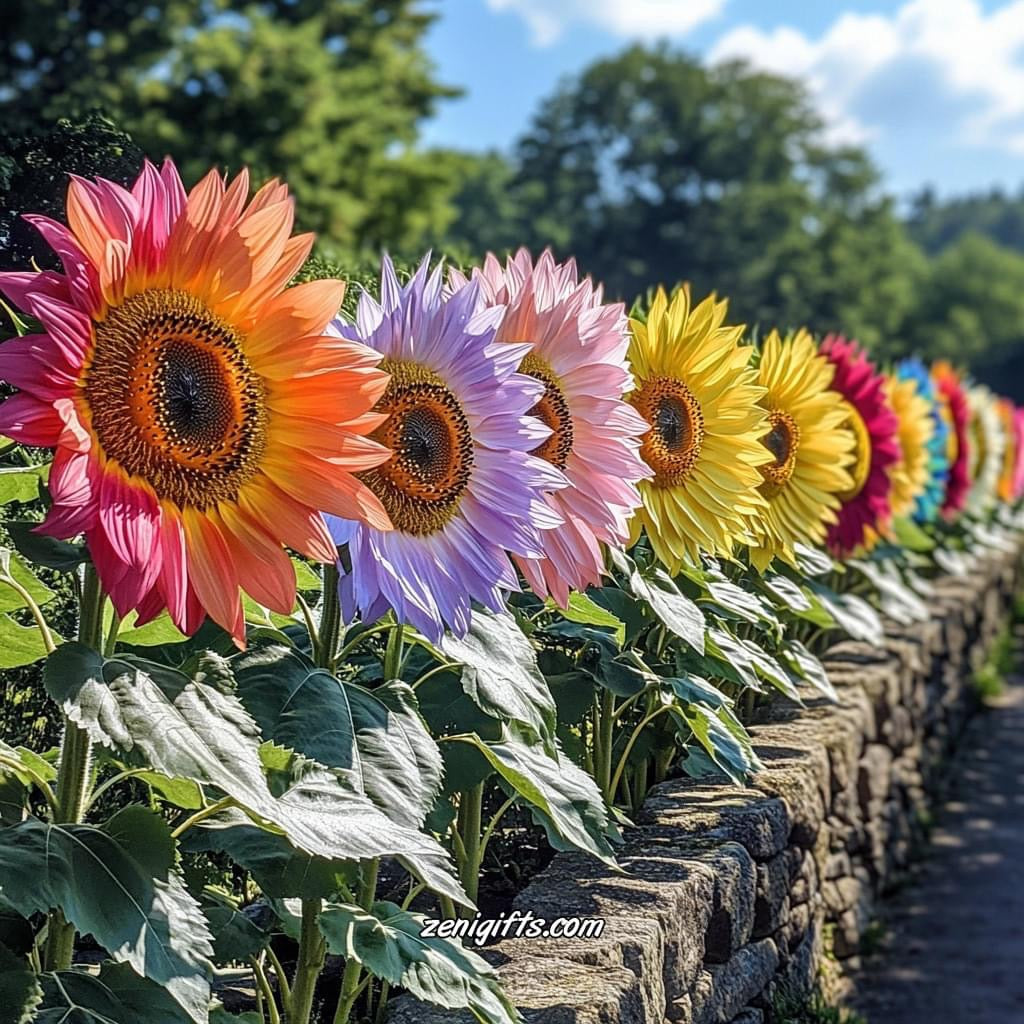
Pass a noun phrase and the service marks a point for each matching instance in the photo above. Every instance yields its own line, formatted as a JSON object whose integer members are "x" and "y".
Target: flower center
{"x": 782, "y": 440}
{"x": 423, "y": 481}
{"x": 552, "y": 410}
{"x": 672, "y": 446}
{"x": 173, "y": 399}
{"x": 861, "y": 454}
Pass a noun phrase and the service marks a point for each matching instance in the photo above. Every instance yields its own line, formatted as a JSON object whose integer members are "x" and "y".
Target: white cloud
{"x": 548, "y": 20}
{"x": 944, "y": 61}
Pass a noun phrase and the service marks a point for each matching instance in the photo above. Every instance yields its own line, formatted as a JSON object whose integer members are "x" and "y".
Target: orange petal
{"x": 326, "y": 488}
{"x": 296, "y": 313}
{"x": 348, "y": 451}
{"x": 264, "y": 570}
{"x": 211, "y": 570}
{"x": 334, "y": 397}
{"x": 299, "y": 526}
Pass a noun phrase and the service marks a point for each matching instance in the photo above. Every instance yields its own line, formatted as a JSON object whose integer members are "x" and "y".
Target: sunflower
{"x": 578, "y": 353}
{"x": 1011, "y": 453}
{"x": 910, "y": 473}
{"x": 987, "y": 444}
{"x": 199, "y": 415}
{"x": 955, "y": 411}
{"x": 930, "y": 497}
{"x": 864, "y": 512}
{"x": 696, "y": 389}
{"x": 1017, "y": 484}
{"x": 810, "y": 442}
{"x": 462, "y": 485}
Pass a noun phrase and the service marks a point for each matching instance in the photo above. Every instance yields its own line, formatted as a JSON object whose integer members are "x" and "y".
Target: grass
{"x": 990, "y": 679}
{"x": 788, "y": 1008}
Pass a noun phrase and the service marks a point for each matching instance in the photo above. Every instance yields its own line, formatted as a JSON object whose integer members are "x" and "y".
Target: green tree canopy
{"x": 329, "y": 93}
{"x": 651, "y": 167}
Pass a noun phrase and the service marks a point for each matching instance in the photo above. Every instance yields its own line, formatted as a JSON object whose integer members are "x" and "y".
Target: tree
{"x": 327, "y": 92}
{"x": 970, "y": 308}
{"x": 650, "y": 167}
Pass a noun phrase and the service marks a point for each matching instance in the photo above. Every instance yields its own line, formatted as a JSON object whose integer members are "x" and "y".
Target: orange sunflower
{"x": 201, "y": 417}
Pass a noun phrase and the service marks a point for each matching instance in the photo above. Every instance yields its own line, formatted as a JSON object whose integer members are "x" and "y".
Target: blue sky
{"x": 933, "y": 88}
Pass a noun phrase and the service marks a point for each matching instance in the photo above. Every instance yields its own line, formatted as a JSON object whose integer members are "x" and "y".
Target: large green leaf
{"x": 116, "y": 996}
{"x": 563, "y": 798}
{"x": 389, "y": 942}
{"x": 723, "y": 738}
{"x": 161, "y": 719}
{"x": 21, "y": 483}
{"x": 20, "y": 991}
{"x": 500, "y": 673}
{"x": 808, "y": 667}
{"x": 14, "y": 569}
{"x": 377, "y": 736}
{"x": 583, "y": 610}
{"x": 110, "y": 890}
{"x": 20, "y": 645}
{"x": 41, "y": 549}
{"x": 669, "y": 604}
{"x": 750, "y": 660}
{"x": 236, "y": 936}
{"x": 851, "y": 613}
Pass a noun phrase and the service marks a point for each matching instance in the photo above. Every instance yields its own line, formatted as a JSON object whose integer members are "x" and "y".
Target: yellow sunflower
{"x": 810, "y": 443}
{"x": 909, "y": 474}
{"x": 694, "y": 385}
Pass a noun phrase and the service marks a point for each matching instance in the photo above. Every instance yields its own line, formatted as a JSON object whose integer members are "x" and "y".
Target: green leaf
{"x": 218, "y": 1015}
{"x": 21, "y": 483}
{"x": 277, "y": 867}
{"x": 40, "y": 549}
{"x": 743, "y": 604}
{"x": 20, "y": 991}
{"x": 116, "y": 996}
{"x": 500, "y": 674}
{"x": 160, "y": 630}
{"x": 808, "y": 667}
{"x": 723, "y": 738}
{"x": 750, "y": 660}
{"x": 103, "y": 888}
{"x": 390, "y": 944}
{"x": 896, "y": 600}
{"x": 812, "y": 561}
{"x": 12, "y": 567}
{"x": 236, "y": 937}
{"x": 183, "y": 728}
{"x": 306, "y": 577}
{"x": 850, "y": 612}
{"x": 378, "y": 737}
{"x": 20, "y": 645}
{"x": 563, "y": 798}
{"x": 787, "y": 592}
{"x": 911, "y": 536}
{"x": 669, "y": 604}
{"x": 582, "y": 609}
{"x": 695, "y": 690}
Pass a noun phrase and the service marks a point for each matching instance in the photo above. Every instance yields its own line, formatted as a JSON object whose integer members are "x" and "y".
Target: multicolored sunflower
{"x": 579, "y": 354}
{"x": 697, "y": 391}
{"x": 911, "y": 472}
{"x": 1017, "y": 487}
{"x": 462, "y": 485}
{"x": 864, "y": 512}
{"x": 987, "y": 444}
{"x": 199, "y": 414}
{"x": 955, "y": 412}
{"x": 1011, "y": 454}
{"x": 930, "y": 498}
{"x": 811, "y": 446}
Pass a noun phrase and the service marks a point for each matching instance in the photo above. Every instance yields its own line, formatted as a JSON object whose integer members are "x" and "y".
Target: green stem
{"x": 202, "y": 815}
{"x": 364, "y": 635}
{"x": 312, "y": 948}
{"x": 471, "y": 802}
{"x": 330, "y": 620}
{"x": 394, "y": 653}
{"x": 312, "y": 953}
{"x": 111, "y": 641}
{"x": 350, "y": 987}
{"x": 314, "y": 633}
{"x": 265, "y": 990}
{"x": 282, "y": 978}
{"x": 606, "y": 726}
{"x": 489, "y": 831}
{"x": 72, "y": 791}
{"x": 632, "y": 739}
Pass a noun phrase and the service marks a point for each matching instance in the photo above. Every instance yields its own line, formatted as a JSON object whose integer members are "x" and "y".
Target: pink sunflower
{"x": 864, "y": 514}
{"x": 200, "y": 415}
{"x": 579, "y": 355}
{"x": 957, "y": 413}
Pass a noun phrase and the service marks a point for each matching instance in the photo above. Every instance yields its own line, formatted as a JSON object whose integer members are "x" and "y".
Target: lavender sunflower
{"x": 461, "y": 487}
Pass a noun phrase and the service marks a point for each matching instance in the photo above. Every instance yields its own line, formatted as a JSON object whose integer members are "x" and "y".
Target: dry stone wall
{"x": 729, "y": 895}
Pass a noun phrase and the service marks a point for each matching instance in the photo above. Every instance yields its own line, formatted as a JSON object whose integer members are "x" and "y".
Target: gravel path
{"x": 953, "y": 950}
